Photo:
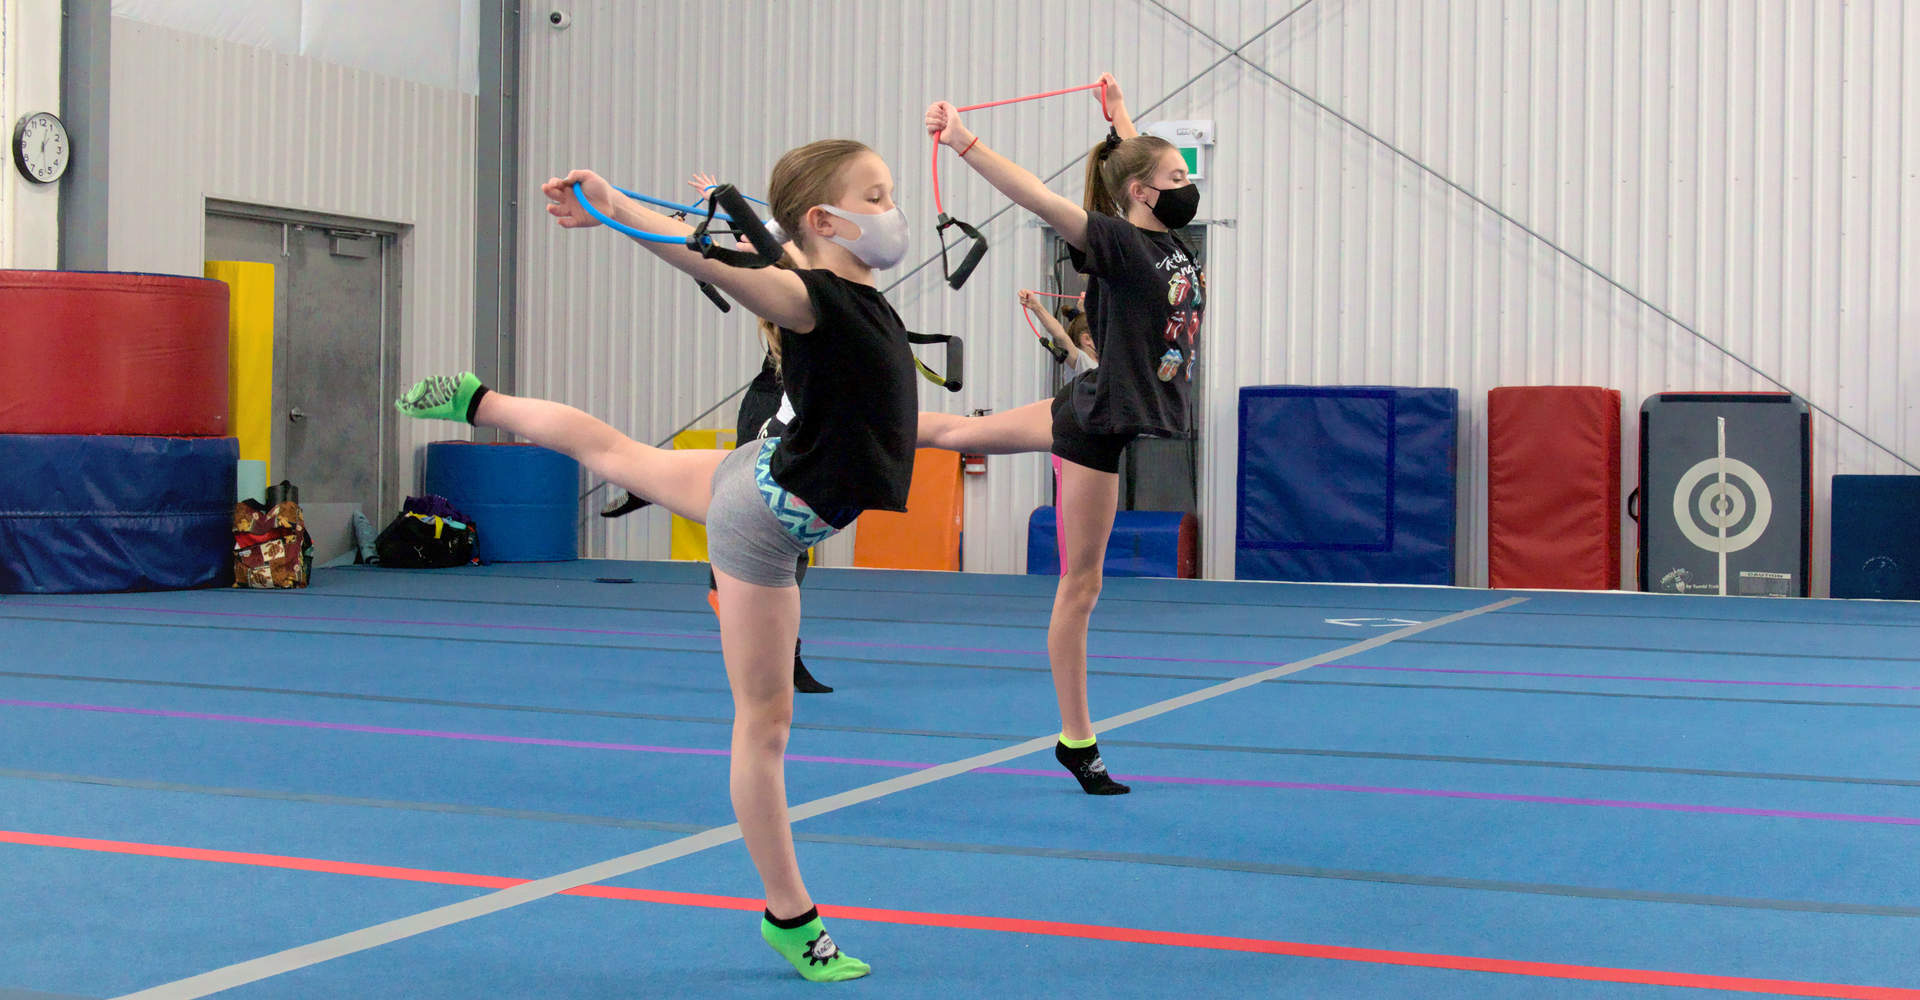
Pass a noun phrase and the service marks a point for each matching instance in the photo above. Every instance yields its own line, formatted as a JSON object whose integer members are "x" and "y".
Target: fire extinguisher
{"x": 972, "y": 464}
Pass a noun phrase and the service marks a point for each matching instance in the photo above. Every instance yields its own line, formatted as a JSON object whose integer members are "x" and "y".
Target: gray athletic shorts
{"x": 755, "y": 528}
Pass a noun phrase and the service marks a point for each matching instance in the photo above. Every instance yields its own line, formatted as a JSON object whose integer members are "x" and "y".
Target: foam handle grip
{"x": 952, "y": 378}
{"x": 714, "y": 296}
{"x": 968, "y": 263}
{"x": 742, "y": 215}
{"x": 956, "y": 357}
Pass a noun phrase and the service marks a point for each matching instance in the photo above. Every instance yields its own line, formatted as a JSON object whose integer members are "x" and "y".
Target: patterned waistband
{"x": 794, "y": 515}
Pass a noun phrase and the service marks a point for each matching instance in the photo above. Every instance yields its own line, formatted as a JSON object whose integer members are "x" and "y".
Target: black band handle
{"x": 767, "y": 250}
{"x": 714, "y": 296}
{"x": 958, "y": 276}
{"x": 956, "y": 357}
{"x": 1633, "y": 504}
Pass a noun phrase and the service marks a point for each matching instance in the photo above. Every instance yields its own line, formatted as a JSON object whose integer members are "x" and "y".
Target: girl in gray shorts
{"x": 850, "y": 374}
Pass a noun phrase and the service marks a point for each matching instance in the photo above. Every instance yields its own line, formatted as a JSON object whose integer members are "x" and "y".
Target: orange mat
{"x": 927, "y": 536}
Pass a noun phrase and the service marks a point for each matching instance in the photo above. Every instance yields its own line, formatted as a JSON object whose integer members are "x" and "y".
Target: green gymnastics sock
{"x": 803, "y": 941}
{"x": 443, "y": 397}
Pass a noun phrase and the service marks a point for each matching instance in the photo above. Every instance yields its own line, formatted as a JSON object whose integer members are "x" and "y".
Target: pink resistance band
{"x": 1104, "y": 109}
{"x": 1059, "y": 522}
{"x": 1028, "y": 313}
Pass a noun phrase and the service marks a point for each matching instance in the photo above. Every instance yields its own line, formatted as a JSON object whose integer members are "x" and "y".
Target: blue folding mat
{"x": 1347, "y": 484}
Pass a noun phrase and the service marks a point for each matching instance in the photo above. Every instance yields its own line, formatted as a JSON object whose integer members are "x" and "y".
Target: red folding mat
{"x": 1553, "y": 487}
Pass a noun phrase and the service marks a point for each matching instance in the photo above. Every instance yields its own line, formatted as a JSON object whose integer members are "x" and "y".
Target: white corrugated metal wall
{"x": 30, "y": 45}
{"x": 1742, "y": 167}
{"x": 195, "y": 118}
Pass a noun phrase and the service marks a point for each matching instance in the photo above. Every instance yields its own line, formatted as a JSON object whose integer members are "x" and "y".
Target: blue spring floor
{"x": 1577, "y": 795}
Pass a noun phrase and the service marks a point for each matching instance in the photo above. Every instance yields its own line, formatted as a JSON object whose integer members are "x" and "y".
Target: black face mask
{"x": 1177, "y": 206}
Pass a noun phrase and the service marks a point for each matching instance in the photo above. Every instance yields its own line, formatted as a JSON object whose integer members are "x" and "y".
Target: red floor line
{"x": 1011, "y": 925}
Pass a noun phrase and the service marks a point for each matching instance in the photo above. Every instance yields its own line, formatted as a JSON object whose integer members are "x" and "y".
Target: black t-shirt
{"x": 1145, "y": 299}
{"x": 760, "y": 407}
{"x": 850, "y": 445}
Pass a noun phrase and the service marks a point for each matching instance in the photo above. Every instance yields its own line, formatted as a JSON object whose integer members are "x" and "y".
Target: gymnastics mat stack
{"x": 927, "y": 534}
{"x": 114, "y": 424}
{"x": 524, "y": 499}
{"x": 1347, "y": 484}
{"x": 1553, "y": 487}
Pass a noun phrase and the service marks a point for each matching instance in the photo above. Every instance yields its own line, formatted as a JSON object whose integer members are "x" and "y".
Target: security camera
{"x": 559, "y": 19}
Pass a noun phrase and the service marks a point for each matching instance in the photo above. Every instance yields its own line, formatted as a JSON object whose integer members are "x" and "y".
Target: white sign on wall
{"x": 1194, "y": 136}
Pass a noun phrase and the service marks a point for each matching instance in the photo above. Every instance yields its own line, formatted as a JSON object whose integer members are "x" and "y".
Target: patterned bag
{"x": 271, "y": 547}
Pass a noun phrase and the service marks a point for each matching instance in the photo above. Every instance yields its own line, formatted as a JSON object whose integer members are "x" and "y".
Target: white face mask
{"x": 883, "y": 236}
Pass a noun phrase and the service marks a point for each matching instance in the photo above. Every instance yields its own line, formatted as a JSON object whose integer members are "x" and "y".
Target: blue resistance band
{"x": 694, "y": 209}
{"x": 766, "y": 249}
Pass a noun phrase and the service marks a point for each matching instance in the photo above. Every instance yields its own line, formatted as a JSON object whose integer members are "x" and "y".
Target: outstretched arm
{"x": 1011, "y": 179}
{"x": 1049, "y": 323}
{"x": 772, "y": 293}
{"x": 1117, "y": 107}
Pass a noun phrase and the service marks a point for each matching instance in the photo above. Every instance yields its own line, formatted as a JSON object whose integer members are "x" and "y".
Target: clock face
{"x": 40, "y": 147}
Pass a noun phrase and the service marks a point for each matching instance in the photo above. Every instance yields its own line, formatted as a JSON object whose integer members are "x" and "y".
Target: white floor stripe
{"x": 316, "y": 952}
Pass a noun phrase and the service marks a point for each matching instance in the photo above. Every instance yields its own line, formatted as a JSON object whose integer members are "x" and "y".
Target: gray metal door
{"x": 336, "y": 301}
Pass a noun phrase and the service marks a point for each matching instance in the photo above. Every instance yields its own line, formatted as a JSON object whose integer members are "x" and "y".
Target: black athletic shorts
{"x": 1075, "y": 443}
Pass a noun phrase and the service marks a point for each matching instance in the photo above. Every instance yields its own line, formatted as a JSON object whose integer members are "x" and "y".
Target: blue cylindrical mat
{"x": 84, "y": 514}
{"x": 523, "y": 499}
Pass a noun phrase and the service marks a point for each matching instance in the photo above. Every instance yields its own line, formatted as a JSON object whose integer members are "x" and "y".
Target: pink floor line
{"x": 1027, "y": 772}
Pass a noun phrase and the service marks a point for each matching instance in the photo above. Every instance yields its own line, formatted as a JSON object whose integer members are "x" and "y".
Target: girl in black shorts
{"x": 1145, "y": 298}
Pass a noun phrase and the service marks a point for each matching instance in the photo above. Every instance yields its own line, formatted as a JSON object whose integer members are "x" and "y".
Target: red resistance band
{"x": 1104, "y": 109}
{"x": 1028, "y": 313}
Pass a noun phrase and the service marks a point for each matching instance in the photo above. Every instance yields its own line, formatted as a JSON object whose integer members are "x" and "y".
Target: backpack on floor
{"x": 428, "y": 533}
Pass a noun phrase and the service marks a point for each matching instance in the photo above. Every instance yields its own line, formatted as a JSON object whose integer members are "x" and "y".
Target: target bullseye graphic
{"x": 1701, "y": 517}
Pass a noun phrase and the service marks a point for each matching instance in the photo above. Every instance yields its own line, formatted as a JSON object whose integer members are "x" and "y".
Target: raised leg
{"x": 1022, "y": 429}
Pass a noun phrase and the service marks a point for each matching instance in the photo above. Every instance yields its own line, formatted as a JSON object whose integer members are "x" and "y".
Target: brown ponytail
{"x": 1115, "y": 162}
{"x": 769, "y": 332}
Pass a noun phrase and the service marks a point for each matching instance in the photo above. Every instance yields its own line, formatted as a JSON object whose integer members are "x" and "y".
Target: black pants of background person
{"x": 759, "y": 412}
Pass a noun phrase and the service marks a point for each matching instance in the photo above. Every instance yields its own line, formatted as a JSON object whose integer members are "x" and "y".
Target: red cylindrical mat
{"x": 130, "y": 354}
{"x": 1553, "y": 487}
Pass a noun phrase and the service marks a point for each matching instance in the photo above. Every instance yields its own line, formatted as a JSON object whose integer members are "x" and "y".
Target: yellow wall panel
{"x": 689, "y": 537}
{"x": 250, "y": 354}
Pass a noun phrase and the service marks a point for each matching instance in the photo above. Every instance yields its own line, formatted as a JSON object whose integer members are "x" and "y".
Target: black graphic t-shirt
{"x": 850, "y": 445}
{"x": 1145, "y": 300}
